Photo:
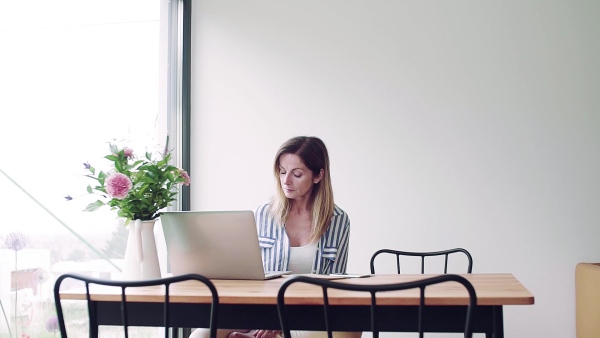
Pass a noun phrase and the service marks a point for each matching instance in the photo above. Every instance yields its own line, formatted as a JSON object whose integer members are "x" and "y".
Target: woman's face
{"x": 296, "y": 179}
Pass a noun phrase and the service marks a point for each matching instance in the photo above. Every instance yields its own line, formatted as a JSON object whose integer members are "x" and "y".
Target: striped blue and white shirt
{"x": 332, "y": 249}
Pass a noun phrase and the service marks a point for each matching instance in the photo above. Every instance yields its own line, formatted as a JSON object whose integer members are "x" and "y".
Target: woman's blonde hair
{"x": 313, "y": 153}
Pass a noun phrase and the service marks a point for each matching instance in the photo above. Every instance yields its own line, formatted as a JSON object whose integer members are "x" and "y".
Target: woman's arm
{"x": 335, "y": 244}
{"x": 341, "y": 261}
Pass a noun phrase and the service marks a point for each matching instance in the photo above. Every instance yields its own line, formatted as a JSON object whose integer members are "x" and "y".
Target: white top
{"x": 301, "y": 258}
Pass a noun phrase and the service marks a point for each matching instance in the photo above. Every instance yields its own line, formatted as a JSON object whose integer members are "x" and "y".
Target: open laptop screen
{"x": 215, "y": 244}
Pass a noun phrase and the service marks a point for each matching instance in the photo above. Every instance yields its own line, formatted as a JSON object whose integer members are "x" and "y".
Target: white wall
{"x": 468, "y": 124}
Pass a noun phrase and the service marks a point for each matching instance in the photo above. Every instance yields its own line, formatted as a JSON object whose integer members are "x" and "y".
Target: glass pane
{"x": 74, "y": 75}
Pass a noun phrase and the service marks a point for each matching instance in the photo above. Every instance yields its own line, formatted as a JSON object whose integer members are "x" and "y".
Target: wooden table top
{"x": 491, "y": 289}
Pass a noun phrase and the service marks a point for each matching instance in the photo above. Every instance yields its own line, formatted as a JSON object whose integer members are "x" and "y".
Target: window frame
{"x": 178, "y": 89}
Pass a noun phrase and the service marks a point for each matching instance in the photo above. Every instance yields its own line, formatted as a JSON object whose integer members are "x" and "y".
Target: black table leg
{"x": 93, "y": 318}
{"x": 498, "y": 322}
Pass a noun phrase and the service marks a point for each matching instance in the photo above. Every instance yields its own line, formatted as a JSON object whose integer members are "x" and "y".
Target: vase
{"x": 141, "y": 257}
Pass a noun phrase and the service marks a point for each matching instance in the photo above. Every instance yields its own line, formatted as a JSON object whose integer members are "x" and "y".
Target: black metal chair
{"x": 123, "y": 285}
{"x": 422, "y": 255}
{"x": 373, "y": 290}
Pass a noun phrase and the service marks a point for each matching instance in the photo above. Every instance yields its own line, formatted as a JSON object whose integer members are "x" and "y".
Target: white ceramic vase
{"x": 141, "y": 257}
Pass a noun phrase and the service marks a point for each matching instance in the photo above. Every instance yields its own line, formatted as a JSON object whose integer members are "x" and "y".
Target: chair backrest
{"x": 373, "y": 290}
{"x": 124, "y": 285}
{"x": 422, "y": 256}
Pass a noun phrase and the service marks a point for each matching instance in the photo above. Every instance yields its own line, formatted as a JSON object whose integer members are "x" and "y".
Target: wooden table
{"x": 253, "y": 304}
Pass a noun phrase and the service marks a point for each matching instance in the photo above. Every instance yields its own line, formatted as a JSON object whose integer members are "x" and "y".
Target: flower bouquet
{"x": 136, "y": 188}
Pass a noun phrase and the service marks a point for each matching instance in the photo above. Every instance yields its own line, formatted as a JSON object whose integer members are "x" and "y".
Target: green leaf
{"x": 112, "y": 157}
{"x": 137, "y": 163}
{"x": 94, "y": 206}
{"x": 101, "y": 177}
{"x": 118, "y": 167}
{"x": 89, "y": 189}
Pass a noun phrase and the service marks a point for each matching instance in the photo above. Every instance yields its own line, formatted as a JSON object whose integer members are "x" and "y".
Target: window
{"x": 74, "y": 75}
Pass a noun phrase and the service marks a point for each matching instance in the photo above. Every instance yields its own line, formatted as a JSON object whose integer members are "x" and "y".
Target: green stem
{"x": 63, "y": 223}
{"x": 5, "y": 318}
{"x": 16, "y": 293}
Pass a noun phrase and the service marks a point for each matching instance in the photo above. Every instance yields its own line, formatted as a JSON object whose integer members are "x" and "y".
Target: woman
{"x": 300, "y": 229}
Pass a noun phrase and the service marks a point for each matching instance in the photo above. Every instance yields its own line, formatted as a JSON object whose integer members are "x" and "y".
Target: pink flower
{"x": 128, "y": 152}
{"x": 186, "y": 176}
{"x": 118, "y": 185}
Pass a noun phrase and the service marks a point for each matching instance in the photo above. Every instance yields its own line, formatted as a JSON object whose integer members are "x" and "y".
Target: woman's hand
{"x": 266, "y": 334}
{"x": 236, "y": 334}
{"x": 255, "y": 334}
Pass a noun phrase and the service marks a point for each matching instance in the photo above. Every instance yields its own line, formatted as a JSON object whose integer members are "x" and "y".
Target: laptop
{"x": 215, "y": 244}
